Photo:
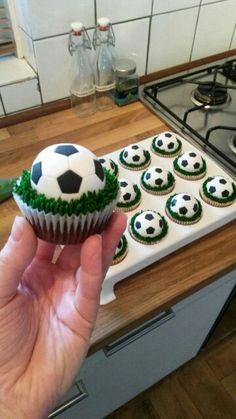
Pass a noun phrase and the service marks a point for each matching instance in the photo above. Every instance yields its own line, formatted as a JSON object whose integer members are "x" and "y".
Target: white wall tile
{"x": 124, "y": 9}
{"x": 171, "y": 40}
{"x": 1, "y": 109}
{"x": 23, "y": 15}
{"x": 14, "y": 70}
{"x": 20, "y": 95}
{"x": 53, "y": 17}
{"x": 162, "y": 6}
{"x": 28, "y": 49}
{"x": 215, "y": 29}
{"x": 211, "y": 1}
{"x": 233, "y": 45}
{"x": 131, "y": 42}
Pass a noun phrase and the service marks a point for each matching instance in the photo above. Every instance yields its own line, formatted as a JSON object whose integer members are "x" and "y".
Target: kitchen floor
{"x": 204, "y": 388}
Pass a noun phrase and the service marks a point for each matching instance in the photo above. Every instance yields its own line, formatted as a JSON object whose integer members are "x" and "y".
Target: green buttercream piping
{"x": 230, "y": 198}
{"x": 89, "y": 202}
{"x": 123, "y": 248}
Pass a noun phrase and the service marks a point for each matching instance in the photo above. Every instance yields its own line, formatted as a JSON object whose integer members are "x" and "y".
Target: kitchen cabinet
{"x": 135, "y": 361}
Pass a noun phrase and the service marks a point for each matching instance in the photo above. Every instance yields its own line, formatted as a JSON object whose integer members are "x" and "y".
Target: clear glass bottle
{"x": 103, "y": 43}
{"x": 82, "y": 91}
{"x": 126, "y": 82}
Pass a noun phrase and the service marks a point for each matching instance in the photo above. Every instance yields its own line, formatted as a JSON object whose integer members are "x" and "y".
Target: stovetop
{"x": 213, "y": 128}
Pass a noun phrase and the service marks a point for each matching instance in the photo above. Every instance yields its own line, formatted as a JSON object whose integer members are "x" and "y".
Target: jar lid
{"x": 77, "y": 27}
{"x": 124, "y": 67}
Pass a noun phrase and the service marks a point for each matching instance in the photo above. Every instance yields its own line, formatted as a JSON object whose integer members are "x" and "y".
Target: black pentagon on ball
{"x": 112, "y": 164}
{"x": 159, "y": 143}
{"x": 149, "y": 217}
{"x": 150, "y": 230}
{"x": 158, "y": 170}
{"x": 147, "y": 175}
{"x": 66, "y": 150}
{"x": 186, "y": 197}
{"x": 196, "y": 165}
{"x": 102, "y": 161}
{"x": 225, "y": 193}
{"x": 36, "y": 172}
{"x": 192, "y": 154}
{"x": 222, "y": 181}
{"x": 135, "y": 147}
{"x": 195, "y": 207}
{"x": 212, "y": 189}
{"x": 69, "y": 182}
{"x": 183, "y": 210}
{"x": 159, "y": 181}
{"x": 125, "y": 154}
{"x": 136, "y": 158}
{"x": 99, "y": 170}
{"x": 127, "y": 196}
{"x": 168, "y": 135}
{"x": 138, "y": 225}
{"x": 160, "y": 223}
{"x": 173, "y": 202}
{"x": 170, "y": 146}
{"x": 184, "y": 163}
{"x": 120, "y": 244}
{"x": 123, "y": 183}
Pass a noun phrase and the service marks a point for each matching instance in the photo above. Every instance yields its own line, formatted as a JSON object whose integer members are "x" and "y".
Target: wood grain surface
{"x": 156, "y": 287}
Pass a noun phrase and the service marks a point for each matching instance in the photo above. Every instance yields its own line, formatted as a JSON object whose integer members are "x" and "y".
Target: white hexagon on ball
{"x": 66, "y": 171}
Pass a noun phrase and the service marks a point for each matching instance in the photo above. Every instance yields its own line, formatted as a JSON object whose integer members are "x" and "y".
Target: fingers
{"x": 89, "y": 278}
{"x": 45, "y": 251}
{"x": 111, "y": 237}
{"x": 69, "y": 258}
{"x": 16, "y": 255}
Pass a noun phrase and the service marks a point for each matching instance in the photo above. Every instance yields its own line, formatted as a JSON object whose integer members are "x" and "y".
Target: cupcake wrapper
{"x": 66, "y": 229}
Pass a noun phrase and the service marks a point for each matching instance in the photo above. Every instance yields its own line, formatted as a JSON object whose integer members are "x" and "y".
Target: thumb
{"x": 16, "y": 255}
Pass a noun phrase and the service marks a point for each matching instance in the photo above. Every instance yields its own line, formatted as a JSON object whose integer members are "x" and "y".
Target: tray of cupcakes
{"x": 173, "y": 193}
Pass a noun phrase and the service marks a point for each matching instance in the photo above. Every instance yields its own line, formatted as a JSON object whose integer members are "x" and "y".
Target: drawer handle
{"x": 135, "y": 334}
{"x": 82, "y": 394}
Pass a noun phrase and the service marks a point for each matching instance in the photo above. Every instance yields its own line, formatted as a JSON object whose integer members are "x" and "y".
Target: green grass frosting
{"x": 211, "y": 197}
{"x": 88, "y": 203}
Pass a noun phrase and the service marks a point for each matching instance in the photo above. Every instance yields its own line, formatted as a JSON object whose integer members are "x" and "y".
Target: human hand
{"x": 47, "y": 314}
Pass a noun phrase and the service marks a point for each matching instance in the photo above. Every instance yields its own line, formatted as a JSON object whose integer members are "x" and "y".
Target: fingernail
{"x": 16, "y": 232}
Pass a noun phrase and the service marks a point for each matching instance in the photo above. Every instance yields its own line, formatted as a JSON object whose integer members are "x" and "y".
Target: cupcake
{"x": 134, "y": 157}
{"x": 166, "y": 144}
{"x": 157, "y": 181}
{"x": 190, "y": 165}
{"x": 148, "y": 227}
{"x": 183, "y": 208}
{"x": 109, "y": 164}
{"x": 130, "y": 195}
{"x": 218, "y": 191}
{"x": 121, "y": 251}
{"x": 67, "y": 195}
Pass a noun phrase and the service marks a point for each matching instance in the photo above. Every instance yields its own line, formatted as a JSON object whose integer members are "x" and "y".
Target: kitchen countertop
{"x": 156, "y": 287}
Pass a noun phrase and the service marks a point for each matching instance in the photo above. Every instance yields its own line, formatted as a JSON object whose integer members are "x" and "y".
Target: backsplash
{"x": 157, "y": 34}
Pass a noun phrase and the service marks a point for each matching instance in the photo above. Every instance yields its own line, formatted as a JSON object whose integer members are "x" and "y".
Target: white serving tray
{"x": 139, "y": 255}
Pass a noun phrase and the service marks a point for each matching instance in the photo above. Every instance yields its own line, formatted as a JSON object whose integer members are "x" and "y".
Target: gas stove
{"x": 201, "y": 105}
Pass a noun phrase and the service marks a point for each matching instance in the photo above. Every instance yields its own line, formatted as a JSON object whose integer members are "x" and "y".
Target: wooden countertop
{"x": 155, "y": 288}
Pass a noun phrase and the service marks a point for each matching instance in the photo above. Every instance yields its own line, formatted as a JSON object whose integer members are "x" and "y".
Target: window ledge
{"x": 14, "y": 70}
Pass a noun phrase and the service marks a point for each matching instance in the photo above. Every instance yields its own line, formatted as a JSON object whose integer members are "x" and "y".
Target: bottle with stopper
{"x": 103, "y": 43}
{"x": 82, "y": 91}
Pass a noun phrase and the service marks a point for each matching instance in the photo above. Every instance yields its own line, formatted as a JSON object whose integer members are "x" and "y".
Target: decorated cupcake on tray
{"x": 134, "y": 157}
{"x": 121, "y": 250}
{"x": 157, "y": 181}
{"x": 218, "y": 191}
{"x": 166, "y": 144}
{"x": 109, "y": 164}
{"x": 190, "y": 165}
{"x": 67, "y": 195}
{"x": 148, "y": 227}
{"x": 183, "y": 208}
{"x": 130, "y": 195}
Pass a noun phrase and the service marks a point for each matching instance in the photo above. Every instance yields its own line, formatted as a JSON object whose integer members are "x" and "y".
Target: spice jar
{"x": 126, "y": 82}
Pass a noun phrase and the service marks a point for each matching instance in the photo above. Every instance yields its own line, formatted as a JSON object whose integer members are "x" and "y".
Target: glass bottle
{"x": 103, "y": 43}
{"x": 82, "y": 91}
{"x": 126, "y": 82}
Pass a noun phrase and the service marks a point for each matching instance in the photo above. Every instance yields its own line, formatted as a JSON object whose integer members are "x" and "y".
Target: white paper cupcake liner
{"x": 66, "y": 229}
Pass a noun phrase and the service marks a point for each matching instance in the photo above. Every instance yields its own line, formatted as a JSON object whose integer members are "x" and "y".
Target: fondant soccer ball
{"x": 66, "y": 171}
{"x": 148, "y": 224}
{"x": 134, "y": 154}
{"x": 127, "y": 191}
{"x": 190, "y": 161}
{"x": 184, "y": 205}
{"x": 220, "y": 187}
{"x": 156, "y": 176}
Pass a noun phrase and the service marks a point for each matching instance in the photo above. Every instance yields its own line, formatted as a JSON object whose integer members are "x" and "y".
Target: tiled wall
{"x": 157, "y": 34}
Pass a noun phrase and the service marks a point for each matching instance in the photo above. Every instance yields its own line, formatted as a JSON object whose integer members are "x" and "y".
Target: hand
{"x": 47, "y": 314}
